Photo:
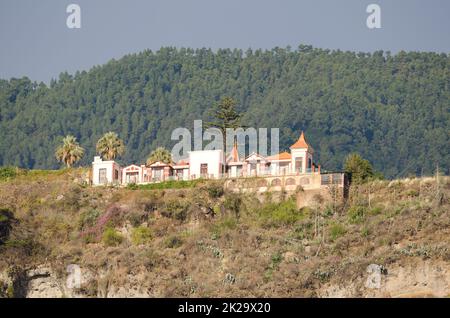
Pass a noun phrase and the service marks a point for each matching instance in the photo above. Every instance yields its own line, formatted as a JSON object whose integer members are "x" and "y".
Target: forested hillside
{"x": 392, "y": 109}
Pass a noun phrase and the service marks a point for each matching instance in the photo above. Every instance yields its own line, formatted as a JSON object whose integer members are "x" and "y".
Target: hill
{"x": 390, "y": 239}
{"x": 392, "y": 109}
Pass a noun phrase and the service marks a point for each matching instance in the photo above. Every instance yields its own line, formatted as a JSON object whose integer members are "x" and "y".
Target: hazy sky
{"x": 36, "y": 42}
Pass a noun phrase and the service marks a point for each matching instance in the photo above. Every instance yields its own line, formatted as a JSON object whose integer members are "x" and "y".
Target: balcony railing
{"x": 325, "y": 178}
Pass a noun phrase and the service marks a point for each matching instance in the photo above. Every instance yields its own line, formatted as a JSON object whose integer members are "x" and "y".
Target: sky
{"x": 36, "y": 42}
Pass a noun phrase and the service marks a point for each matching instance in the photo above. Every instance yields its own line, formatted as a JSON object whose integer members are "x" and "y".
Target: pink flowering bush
{"x": 110, "y": 218}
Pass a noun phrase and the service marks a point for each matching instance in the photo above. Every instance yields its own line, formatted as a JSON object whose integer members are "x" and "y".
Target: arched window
{"x": 290, "y": 181}
{"x": 276, "y": 182}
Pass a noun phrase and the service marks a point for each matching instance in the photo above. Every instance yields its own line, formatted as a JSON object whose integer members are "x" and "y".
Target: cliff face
{"x": 415, "y": 278}
{"x": 63, "y": 239}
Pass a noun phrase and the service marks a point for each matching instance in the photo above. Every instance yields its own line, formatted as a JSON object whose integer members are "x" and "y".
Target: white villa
{"x": 297, "y": 164}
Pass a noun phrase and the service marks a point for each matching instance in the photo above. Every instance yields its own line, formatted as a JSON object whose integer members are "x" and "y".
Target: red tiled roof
{"x": 301, "y": 142}
{"x": 234, "y": 155}
{"x": 160, "y": 164}
{"x": 281, "y": 156}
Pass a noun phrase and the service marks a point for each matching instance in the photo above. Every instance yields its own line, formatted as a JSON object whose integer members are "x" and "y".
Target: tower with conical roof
{"x": 301, "y": 155}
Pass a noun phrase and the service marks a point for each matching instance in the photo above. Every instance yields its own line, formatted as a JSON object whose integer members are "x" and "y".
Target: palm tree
{"x": 160, "y": 154}
{"x": 110, "y": 146}
{"x": 360, "y": 169}
{"x": 70, "y": 151}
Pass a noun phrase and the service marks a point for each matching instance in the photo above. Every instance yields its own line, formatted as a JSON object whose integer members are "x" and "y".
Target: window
{"x": 325, "y": 178}
{"x": 299, "y": 164}
{"x": 337, "y": 178}
{"x": 116, "y": 174}
{"x": 132, "y": 177}
{"x": 157, "y": 174}
{"x": 276, "y": 182}
{"x": 283, "y": 168}
{"x": 203, "y": 169}
{"x": 102, "y": 176}
{"x": 290, "y": 181}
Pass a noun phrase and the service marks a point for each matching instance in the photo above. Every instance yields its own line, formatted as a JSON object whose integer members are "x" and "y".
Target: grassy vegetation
{"x": 7, "y": 173}
{"x": 10, "y": 173}
{"x": 111, "y": 237}
{"x": 203, "y": 240}
{"x": 282, "y": 213}
{"x": 336, "y": 230}
{"x": 141, "y": 235}
{"x": 182, "y": 184}
{"x": 356, "y": 214}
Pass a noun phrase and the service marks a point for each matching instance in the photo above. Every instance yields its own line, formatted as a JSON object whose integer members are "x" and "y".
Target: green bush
{"x": 173, "y": 184}
{"x": 359, "y": 169}
{"x": 304, "y": 230}
{"x": 227, "y": 223}
{"x": 276, "y": 259}
{"x": 136, "y": 218}
{"x": 88, "y": 219}
{"x": 111, "y": 237}
{"x": 175, "y": 209}
{"x": 233, "y": 202}
{"x": 72, "y": 198}
{"x": 141, "y": 235}
{"x": 412, "y": 193}
{"x": 375, "y": 210}
{"x": 173, "y": 242}
{"x": 215, "y": 189}
{"x": 7, "y": 173}
{"x": 329, "y": 211}
{"x": 336, "y": 231}
{"x": 356, "y": 214}
{"x": 365, "y": 232}
{"x": 6, "y": 218}
{"x": 283, "y": 213}
{"x": 10, "y": 291}
{"x": 132, "y": 186}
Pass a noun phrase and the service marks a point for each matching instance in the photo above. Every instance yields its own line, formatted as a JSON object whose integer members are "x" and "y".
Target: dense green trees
{"x": 392, "y": 109}
{"x": 70, "y": 151}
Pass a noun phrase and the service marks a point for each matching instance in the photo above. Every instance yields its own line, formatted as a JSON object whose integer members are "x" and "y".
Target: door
{"x": 204, "y": 170}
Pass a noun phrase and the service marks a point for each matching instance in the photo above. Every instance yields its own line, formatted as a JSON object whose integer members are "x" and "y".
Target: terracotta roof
{"x": 182, "y": 163}
{"x": 160, "y": 164}
{"x": 234, "y": 155}
{"x": 281, "y": 156}
{"x": 301, "y": 142}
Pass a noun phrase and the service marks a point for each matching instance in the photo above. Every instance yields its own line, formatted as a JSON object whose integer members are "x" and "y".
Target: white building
{"x": 210, "y": 164}
{"x": 206, "y": 164}
{"x": 106, "y": 172}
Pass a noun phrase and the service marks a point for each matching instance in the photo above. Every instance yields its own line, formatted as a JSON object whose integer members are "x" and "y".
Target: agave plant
{"x": 70, "y": 151}
{"x": 110, "y": 146}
